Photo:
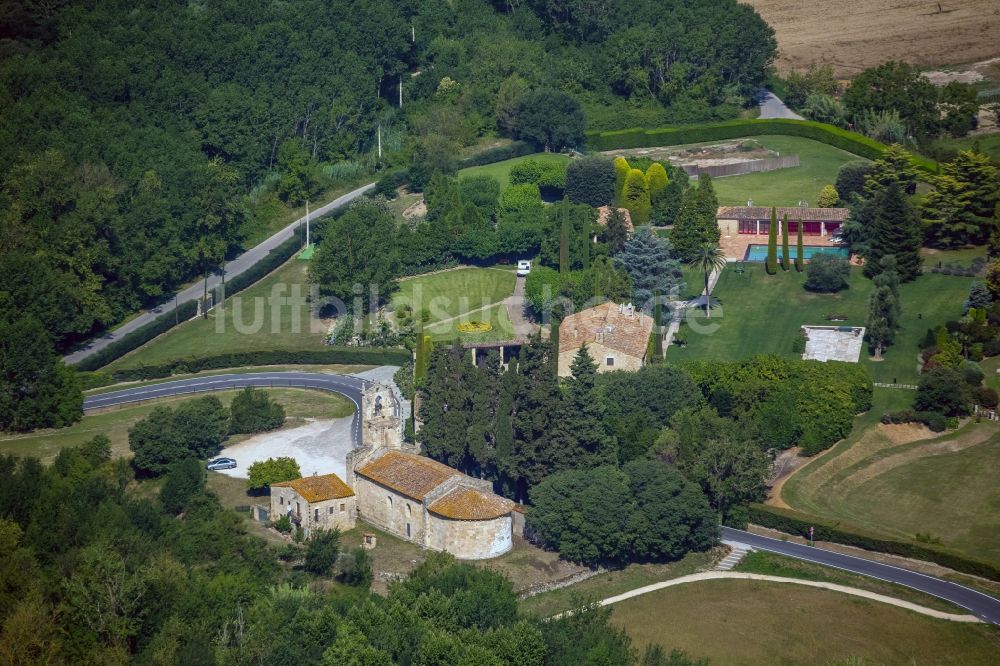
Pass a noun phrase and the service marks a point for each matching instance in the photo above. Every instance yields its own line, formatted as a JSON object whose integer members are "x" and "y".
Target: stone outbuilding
{"x": 616, "y": 335}
{"x": 315, "y": 502}
{"x": 432, "y": 505}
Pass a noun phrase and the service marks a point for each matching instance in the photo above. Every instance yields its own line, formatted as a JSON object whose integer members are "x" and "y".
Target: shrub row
{"x": 936, "y": 421}
{"x": 852, "y": 142}
{"x": 499, "y": 154}
{"x": 138, "y": 337}
{"x": 798, "y": 524}
{"x": 338, "y": 355}
{"x": 92, "y": 380}
{"x": 271, "y": 261}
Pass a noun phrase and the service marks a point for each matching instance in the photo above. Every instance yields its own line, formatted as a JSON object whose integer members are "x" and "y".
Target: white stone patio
{"x": 833, "y": 343}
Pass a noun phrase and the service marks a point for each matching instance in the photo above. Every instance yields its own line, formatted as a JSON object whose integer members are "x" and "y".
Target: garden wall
{"x": 750, "y": 166}
{"x": 852, "y": 142}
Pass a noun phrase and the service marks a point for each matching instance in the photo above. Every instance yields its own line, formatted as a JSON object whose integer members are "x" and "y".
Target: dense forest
{"x": 95, "y": 571}
{"x": 142, "y": 144}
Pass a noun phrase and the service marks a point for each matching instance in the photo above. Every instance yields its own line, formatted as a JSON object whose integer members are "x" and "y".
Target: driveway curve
{"x": 981, "y": 605}
{"x": 772, "y": 107}
{"x": 736, "y": 575}
{"x": 195, "y": 291}
{"x": 346, "y": 385}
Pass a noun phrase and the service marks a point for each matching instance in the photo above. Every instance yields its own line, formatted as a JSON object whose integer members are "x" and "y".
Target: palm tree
{"x": 709, "y": 259}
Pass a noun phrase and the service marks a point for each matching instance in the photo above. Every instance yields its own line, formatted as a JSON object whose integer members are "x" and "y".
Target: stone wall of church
{"x": 470, "y": 539}
{"x": 389, "y": 510}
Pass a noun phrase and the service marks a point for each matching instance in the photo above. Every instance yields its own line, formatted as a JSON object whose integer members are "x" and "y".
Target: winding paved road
{"x": 345, "y": 385}
{"x": 981, "y": 605}
{"x": 195, "y": 291}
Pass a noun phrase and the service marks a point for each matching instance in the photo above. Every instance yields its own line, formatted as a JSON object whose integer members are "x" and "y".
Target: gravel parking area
{"x": 319, "y": 447}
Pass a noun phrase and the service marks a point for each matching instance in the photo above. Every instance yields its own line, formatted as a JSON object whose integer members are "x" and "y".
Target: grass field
{"x": 946, "y": 487}
{"x": 271, "y": 314}
{"x": 501, "y": 170}
{"x": 752, "y": 622}
{"x": 115, "y": 423}
{"x": 988, "y": 143}
{"x": 461, "y": 295}
{"x": 610, "y": 583}
{"x": 759, "y": 314}
{"x": 786, "y": 187}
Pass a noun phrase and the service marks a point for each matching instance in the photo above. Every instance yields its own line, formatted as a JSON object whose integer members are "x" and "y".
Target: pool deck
{"x": 736, "y": 246}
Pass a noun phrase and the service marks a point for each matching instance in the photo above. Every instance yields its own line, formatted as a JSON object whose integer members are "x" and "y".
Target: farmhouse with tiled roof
{"x": 616, "y": 335}
{"x": 315, "y": 502}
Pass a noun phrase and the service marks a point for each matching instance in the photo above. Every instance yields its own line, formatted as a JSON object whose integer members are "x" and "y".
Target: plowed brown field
{"x": 855, "y": 34}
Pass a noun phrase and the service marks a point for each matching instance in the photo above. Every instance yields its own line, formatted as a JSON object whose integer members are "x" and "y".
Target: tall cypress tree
{"x": 578, "y": 438}
{"x": 772, "y": 244}
{"x": 564, "y": 265}
{"x": 786, "y": 257}
{"x": 799, "y": 252}
{"x": 657, "y": 327}
{"x": 896, "y": 230}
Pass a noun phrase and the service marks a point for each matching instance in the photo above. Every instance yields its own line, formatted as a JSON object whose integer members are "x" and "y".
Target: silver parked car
{"x": 221, "y": 463}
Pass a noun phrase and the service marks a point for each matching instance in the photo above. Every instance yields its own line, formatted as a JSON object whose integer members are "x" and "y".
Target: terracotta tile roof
{"x": 603, "y": 212}
{"x": 793, "y": 213}
{"x": 607, "y": 325}
{"x": 408, "y": 473}
{"x": 464, "y": 503}
{"x": 318, "y": 488}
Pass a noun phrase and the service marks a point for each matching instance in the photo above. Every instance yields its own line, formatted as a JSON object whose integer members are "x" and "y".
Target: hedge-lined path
{"x": 772, "y": 107}
{"x": 233, "y": 268}
{"x": 346, "y": 385}
{"x": 731, "y": 575}
{"x": 981, "y": 605}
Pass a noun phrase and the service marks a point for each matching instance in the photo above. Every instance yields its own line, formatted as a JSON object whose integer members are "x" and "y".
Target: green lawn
{"x": 271, "y": 314}
{"x": 501, "y": 170}
{"x": 115, "y": 423}
{"x": 760, "y": 314}
{"x": 947, "y": 487}
{"x": 753, "y": 622}
{"x": 465, "y": 294}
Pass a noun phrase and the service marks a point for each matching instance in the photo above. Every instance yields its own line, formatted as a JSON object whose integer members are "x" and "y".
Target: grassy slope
{"x": 762, "y": 314}
{"x": 501, "y": 170}
{"x": 115, "y": 423}
{"x": 262, "y": 327}
{"x": 466, "y": 293}
{"x": 946, "y": 487}
{"x": 751, "y": 622}
{"x": 988, "y": 143}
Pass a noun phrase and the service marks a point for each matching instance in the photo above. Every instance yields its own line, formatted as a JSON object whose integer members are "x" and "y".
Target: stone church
{"x": 394, "y": 488}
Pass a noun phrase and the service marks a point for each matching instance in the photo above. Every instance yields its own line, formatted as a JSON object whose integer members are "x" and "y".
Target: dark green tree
{"x": 591, "y": 180}
{"x": 263, "y": 473}
{"x": 943, "y": 390}
{"x": 895, "y": 230}
{"x": 322, "y": 551}
{"x": 550, "y": 119}
{"x": 896, "y": 86}
{"x": 786, "y": 256}
{"x": 799, "y": 258}
{"x": 184, "y": 480}
{"x": 771, "y": 264}
{"x": 827, "y": 273}
{"x": 253, "y": 410}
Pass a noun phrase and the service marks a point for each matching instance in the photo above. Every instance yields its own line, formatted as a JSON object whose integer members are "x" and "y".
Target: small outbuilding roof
{"x": 793, "y": 213}
{"x": 318, "y": 488}
{"x": 407, "y": 473}
{"x": 604, "y": 212}
{"x": 619, "y": 327}
{"x": 465, "y": 503}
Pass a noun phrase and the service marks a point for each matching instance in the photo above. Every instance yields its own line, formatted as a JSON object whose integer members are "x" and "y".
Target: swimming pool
{"x": 759, "y": 252}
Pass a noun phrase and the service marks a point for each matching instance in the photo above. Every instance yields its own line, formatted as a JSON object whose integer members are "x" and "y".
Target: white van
{"x": 523, "y": 267}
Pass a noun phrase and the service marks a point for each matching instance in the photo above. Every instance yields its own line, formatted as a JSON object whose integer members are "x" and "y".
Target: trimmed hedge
{"x": 333, "y": 355}
{"x": 267, "y": 264}
{"x": 852, "y": 142}
{"x": 499, "y": 154}
{"x": 798, "y": 524}
{"x": 138, "y": 337}
{"x": 936, "y": 421}
{"x": 92, "y": 380}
